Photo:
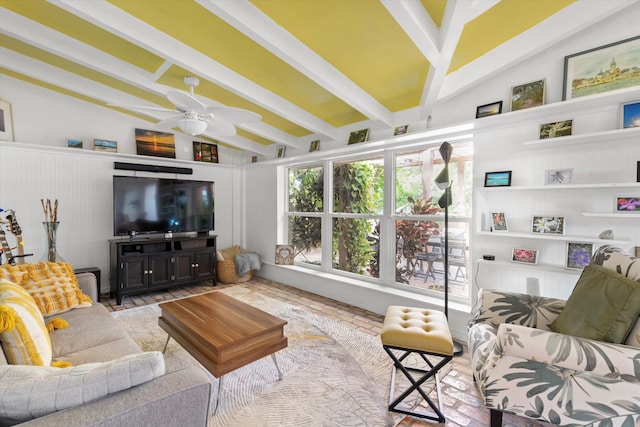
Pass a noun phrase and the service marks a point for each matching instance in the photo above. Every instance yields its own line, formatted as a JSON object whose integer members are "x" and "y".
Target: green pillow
{"x": 603, "y": 306}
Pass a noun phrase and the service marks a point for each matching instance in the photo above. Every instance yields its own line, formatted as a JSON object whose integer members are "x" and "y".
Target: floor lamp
{"x": 443, "y": 182}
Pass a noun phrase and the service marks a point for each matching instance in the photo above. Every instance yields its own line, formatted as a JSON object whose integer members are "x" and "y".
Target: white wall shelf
{"x": 561, "y": 237}
{"x": 545, "y": 267}
{"x": 620, "y": 215}
{"x": 618, "y": 135}
{"x": 565, "y": 186}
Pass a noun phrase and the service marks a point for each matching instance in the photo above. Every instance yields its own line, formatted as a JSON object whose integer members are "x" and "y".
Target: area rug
{"x": 333, "y": 375}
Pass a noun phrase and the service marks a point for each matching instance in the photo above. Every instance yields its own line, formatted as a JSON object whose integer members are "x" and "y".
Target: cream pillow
{"x": 28, "y": 392}
{"x": 53, "y": 285}
{"x": 23, "y": 333}
{"x": 230, "y": 253}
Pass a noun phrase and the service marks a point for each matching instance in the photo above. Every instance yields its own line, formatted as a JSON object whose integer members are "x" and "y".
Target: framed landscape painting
{"x": 527, "y": 95}
{"x": 556, "y": 129}
{"x": 630, "y": 115}
{"x": 489, "y": 109}
{"x": 105, "y": 145}
{"x": 154, "y": 143}
{"x": 602, "y": 69}
{"x": 497, "y": 179}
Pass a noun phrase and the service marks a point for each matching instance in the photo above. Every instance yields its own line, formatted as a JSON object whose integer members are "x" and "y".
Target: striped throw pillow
{"x": 23, "y": 334}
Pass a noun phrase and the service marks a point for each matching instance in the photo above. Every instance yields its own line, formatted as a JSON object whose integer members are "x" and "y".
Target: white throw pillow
{"x": 28, "y": 392}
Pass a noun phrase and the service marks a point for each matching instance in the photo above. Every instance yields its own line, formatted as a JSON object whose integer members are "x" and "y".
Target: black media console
{"x": 148, "y": 264}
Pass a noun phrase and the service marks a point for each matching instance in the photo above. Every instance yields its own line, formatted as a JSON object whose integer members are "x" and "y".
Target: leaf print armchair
{"x": 522, "y": 367}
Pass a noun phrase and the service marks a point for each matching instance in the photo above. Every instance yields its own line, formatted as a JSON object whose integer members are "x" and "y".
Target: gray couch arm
{"x": 179, "y": 398}
{"x": 88, "y": 285}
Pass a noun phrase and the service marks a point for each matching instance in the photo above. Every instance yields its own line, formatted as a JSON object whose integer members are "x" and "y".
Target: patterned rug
{"x": 333, "y": 375}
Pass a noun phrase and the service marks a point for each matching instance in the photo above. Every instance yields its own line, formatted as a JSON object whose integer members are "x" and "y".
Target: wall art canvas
{"x": 556, "y": 129}
{"x": 284, "y": 254}
{"x": 578, "y": 255}
{"x": 358, "y": 136}
{"x": 6, "y": 121}
{"x": 105, "y": 145}
{"x": 281, "y": 151}
{"x": 154, "y": 143}
{"x": 525, "y": 256}
{"x": 630, "y": 115}
{"x": 497, "y": 179}
{"x": 527, "y": 95}
{"x": 558, "y": 176}
{"x": 401, "y": 130}
{"x": 489, "y": 109}
{"x": 601, "y": 69}
{"x": 204, "y": 152}
{"x": 547, "y": 224}
{"x": 627, "y": 204}
{"x": 314, "y": 146}
{"x": 498, "y": 222}
{"x": 74, "y": 143}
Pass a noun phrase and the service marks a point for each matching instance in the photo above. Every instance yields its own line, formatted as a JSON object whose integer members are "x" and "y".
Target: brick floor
{"x": 462, "y": 403}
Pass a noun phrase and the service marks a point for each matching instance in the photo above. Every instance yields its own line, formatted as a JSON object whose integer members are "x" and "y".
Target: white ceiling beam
{"x": 130, "y": 28}
{"x": 253, "y": 23}
{"x": 561, "y": 25}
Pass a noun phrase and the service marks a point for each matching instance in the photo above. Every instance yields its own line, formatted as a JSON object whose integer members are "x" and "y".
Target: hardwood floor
{"x": 462, "y": 403}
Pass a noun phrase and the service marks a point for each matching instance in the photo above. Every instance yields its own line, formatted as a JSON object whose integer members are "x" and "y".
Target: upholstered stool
{"x": 423, "y": 332}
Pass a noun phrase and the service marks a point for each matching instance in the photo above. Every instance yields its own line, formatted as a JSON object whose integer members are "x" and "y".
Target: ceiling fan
{"x": 194, "y": 117}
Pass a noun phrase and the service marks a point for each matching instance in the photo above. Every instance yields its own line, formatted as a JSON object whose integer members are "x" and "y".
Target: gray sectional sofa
{"x": 93, "y": 339}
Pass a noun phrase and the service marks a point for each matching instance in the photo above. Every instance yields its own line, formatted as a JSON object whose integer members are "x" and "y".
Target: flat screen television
{"x": 159, "y": 205}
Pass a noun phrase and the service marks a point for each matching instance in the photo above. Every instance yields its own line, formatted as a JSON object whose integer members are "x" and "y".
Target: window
{"x": 306, "y": 204}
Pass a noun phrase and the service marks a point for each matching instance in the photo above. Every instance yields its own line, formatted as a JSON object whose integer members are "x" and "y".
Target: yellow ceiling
{"x": 308, "y": 67}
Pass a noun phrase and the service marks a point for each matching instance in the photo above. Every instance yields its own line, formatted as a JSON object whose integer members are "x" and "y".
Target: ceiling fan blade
{"x": 142, "y": 107}
{"x": 221, "y": 129}
{"x": 233, "y": 115}
{"x": 185, "y": 102}
{"x": 170, "y": 123}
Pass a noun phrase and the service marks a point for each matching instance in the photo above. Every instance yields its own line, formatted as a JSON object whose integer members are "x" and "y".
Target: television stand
{"x": 143, "y": 265}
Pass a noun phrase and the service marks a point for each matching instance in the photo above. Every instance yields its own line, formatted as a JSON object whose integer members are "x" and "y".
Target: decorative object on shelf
{"x": 204, "y": 152}
{"x": 154, "y": 143}
{"x": 401, "y": 130}
{"x": 525, "y": 256}
{"x": 51, "y": 229}
{"x": 556, "y": 129}
{"x": 358, "y": 136}
{"x": 498, "y": 222}
{"x": 6, "y": 121}
{"x": 74, "y": 143}
{"x": 630, "y": 115}
{"x": 497, "y": 179}
{"x": 443, "y": 182}
{"x": 254, "y": 159}
{"x": 314, "y": 146}
{"x": 527, "y": 95}
{"x": 280, "y": 151}
{"x": 284, "y": 254}
{"x": 547, "y": 224}
{"x": 606, "y": 235}
{"x": 489, "y": 109}
{"x": 627, "y": 204}
{"x": 558, "y": 176}
{"x": 14, "y": 228}
{"x": 599, "y": 69}
{"x": 105, "y": 145}
{"x": 578, "y": 255}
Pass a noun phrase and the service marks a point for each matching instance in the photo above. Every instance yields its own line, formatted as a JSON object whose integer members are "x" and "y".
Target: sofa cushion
{"x": 53, "y": 285}
{"x": 28, "y": 392}
{"x": 603, "y": 306}
{"x": 23, "y": 333}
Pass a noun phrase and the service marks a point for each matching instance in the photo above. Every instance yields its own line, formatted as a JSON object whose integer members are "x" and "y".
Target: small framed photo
{"x": 400, "y": 130}
{"x": 627, "y": 204}
{"x": 556, "y": 129}
{"x": 578, "y": 255}
{"x": 285, "y": 254}
{"x": 558, "y": 176}
{"x": 204, "y": 152}
{"x": 74, "y": 143}
{"x": 254, "y": 159}
{"x": 489, "y": 109}
{"x": 497, "y": 179}
{"x": 525, "y": 256}
{"x": 527, "y": 95}
{"x": 547, "y": 224}
{"x": 498, "y": 222}
{"x": 280, "y": 151}
{"x": 6, "y": 121}
{"x": 630, "y": 115}
{"x": 637, "y": 251}
{"x": 104, "y": 145}
{"x": 358, "y": 136}
{"x": 314, "y": 146}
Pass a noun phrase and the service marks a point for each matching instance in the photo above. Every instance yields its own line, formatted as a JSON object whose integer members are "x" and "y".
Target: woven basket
{"x": 226, "y": 271}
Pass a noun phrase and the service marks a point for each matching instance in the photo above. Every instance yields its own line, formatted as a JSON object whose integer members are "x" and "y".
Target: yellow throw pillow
{"x": 52, "y": 285}
{"x": 23, "y": 334}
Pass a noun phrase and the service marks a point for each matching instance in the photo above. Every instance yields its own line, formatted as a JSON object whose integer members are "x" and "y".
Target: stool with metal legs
{"x": 410, "y": 331}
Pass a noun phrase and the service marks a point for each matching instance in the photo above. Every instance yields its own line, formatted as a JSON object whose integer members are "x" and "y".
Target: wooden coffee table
{"x": 222, "y": 333}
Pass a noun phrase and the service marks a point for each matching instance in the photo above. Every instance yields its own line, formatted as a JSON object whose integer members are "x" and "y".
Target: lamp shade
{"x": 192, "y": 126}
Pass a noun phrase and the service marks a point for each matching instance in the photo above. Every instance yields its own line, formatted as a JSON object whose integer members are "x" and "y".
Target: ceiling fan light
{"x": 192, "y": 126}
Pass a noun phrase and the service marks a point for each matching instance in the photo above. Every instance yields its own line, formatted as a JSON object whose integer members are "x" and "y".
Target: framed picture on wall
{"x": 204, "y": 152}
{"x": 314, "y": 146}
{"x": 498, "y": 222}
{"x": 401, "y": 130}
{"x": 489, "y": 109}
{"x": 358, "y": 136}
{"x": 627, "y": 204}
{"x": 527, "y": 95}
{"x": 155, "y": 143}
{"x": 497, "y": 179}
{"x": 105, "y": 145}
{"x": 558, "y": 176}
{"x": 547, "y": 224}
{"x": 578, "y": 255}
{"x": 630, "y": 115}
{"x": 6, "y": 121}
{"x": 556, "y": 129}
{"x": 280, "y": 151}
{"x": 525, "y": 256}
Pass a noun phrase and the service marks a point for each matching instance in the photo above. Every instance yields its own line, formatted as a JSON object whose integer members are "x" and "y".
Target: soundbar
{"x": 151, "y": 168}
